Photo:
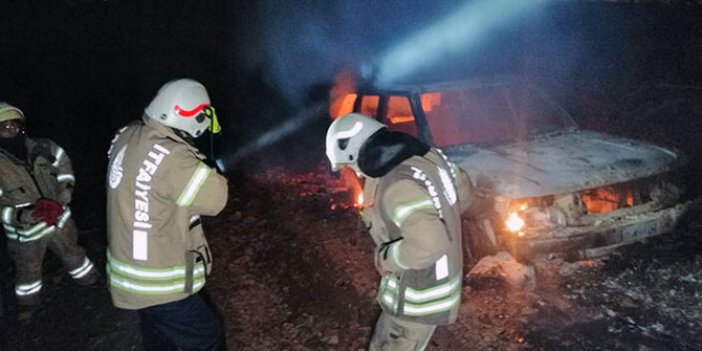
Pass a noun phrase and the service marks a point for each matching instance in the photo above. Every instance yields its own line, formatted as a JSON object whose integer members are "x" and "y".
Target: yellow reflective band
{"x": 395, "y": 254}
{"x": 436, "y": 292}
{"x": 431, "y": 308}
{"x": 392, "y": 284}
{"x": 196, "y": 181}
{"x": 151, "y": 273}
{"x": 403, "y": 211}
{"x": 153, "y": 289}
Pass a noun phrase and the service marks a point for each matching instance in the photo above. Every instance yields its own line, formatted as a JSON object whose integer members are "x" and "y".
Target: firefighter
{"x": 413, "y": 215}
{"x": 35, "y": 193}
{"x": 158, "y": 187}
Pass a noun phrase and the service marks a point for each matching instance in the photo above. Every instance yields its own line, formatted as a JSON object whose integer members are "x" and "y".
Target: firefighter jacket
{"x": 158, "y": 186}
{"x": 47, "y": 173}
{"x": 413, "y": 216}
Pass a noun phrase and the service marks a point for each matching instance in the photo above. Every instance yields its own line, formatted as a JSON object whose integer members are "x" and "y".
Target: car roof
{"x": 419, "y": 88}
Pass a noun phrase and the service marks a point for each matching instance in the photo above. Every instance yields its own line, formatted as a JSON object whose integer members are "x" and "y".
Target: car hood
{"x": 562, "y": 163}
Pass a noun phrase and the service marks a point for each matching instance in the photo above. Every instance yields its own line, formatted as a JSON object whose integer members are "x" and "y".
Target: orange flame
{"x": 341, "y": 95}
{"x": 607, "y": 199}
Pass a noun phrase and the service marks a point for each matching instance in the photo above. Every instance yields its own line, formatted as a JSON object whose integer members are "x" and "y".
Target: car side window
{"x": 399, "y": 115}
{"x": 369, "y": 105}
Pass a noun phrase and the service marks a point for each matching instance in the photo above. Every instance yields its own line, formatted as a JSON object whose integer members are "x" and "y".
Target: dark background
{"x": 82, "y": 69}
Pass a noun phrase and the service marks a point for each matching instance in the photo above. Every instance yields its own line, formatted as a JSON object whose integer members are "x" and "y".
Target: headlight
{"x": 524, "y": 217}
{"x": 514, "y": 222}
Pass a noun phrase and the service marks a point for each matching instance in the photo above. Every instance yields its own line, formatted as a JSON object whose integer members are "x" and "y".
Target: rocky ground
{"x": 292, "y": 272}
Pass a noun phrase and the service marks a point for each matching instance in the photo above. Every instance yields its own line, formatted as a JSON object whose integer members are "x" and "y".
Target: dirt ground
{"x": 292, "y": 272}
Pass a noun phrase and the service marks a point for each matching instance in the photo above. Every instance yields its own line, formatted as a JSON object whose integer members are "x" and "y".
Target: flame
{"x": 514, "y": 223}
{"x": 359, "y": 200}
{"x": 607, "y": 199}
{"x": 429, "y": 100}
{"x": 352, "y": 182}
{"x": 341, "y": 95}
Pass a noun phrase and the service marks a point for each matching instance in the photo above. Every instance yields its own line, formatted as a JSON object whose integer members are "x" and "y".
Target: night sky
{"x": 80, "y": 69}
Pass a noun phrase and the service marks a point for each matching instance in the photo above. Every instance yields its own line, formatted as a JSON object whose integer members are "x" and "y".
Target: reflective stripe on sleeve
{"x": 191, "y": 190}
{"x": 7, "y": 215}
{"x": 395, "y": 254}
{"x": 37, "y": 232}
{"x": 65, "y": 178}
{"x": 58, "y": 157}
{"x": 388, "y": 292}
{"x": 401, "y": 212}
{"x": 61, "y": 221}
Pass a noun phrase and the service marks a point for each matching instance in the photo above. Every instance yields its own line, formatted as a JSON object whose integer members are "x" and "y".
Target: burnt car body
{"x": 554, "y": 188}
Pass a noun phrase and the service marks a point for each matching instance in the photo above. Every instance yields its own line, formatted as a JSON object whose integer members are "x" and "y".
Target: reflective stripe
{"x": 194, "y": 185}
{"x": 388, "y": 292}
{"x": 24, "y": 237}
{"x": 403, "y": 211}
{"x": 28, "y": 289}
{"x": 152, "y": 281}
{"x": 81, "y": 271}
{"x": 150, "y": 273}
{"x": 65, "y": 177}
{"x": 8, "y": 228}
{"x": 441, "y": 268}
{"x": 152, "y": 289}
{"x": 395, "y": 254}
{"x": 448, "y": 186}
{"x": 441, "y": 291}
{"x": 1, "y": 192}
{"x": 63, "y": 218}
{"x": 194, "y": 218}
{"x": 58, "y": 157}
{"x": 431, "y": 308}
{"x": 7, "y": 215}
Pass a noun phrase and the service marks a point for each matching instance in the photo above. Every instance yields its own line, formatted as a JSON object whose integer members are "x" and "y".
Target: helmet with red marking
{"x": 184, "y": 104}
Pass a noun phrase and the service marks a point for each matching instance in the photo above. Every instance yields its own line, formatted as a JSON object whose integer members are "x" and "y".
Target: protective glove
{"x": 47, "y": 211}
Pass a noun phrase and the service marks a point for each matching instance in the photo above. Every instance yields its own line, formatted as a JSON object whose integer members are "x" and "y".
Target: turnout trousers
{"x": 395, "y": 334}
{"x": 29, "y": 256}
{"x": 187, "y": 324}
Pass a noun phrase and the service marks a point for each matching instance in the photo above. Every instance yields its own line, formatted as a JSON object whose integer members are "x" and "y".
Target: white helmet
{"x": 9, "y": 112}
{"x": 183, "y": 104}
{"x": 345, "y": 137}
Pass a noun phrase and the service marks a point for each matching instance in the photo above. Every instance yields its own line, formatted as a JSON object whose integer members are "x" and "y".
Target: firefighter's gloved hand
{"x": 47, "y": 211}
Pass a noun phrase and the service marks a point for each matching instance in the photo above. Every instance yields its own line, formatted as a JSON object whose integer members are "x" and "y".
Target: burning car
{"x": 555, "y": 188}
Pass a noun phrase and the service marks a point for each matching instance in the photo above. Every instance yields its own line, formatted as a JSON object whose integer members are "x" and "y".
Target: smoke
{"x": 450, "y": 37}
{"x": 306, "y": 44}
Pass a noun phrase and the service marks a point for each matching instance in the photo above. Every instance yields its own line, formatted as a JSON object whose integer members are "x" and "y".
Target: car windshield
{"x": 490, "y": 115}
